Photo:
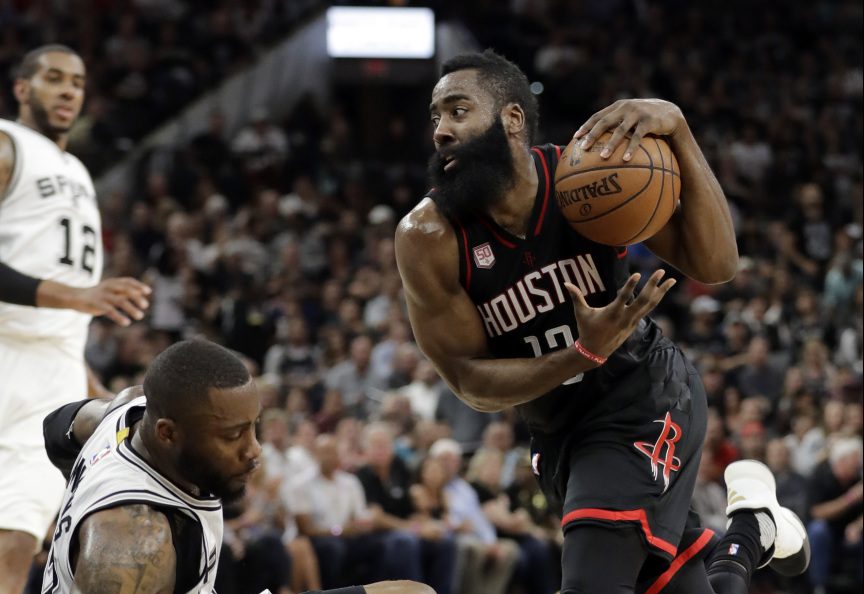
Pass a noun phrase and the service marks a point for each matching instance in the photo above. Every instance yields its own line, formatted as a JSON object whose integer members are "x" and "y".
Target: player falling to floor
{"x": 50, "y": 270}
{"x": 515, "y": 308}
{"x": 142, "y": 513}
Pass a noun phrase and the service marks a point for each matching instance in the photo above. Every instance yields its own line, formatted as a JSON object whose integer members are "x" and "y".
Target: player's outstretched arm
{"x": 125, "y": 550}
{"x": 121, "y": 299}
{"x": 699, "y": 239}
{"x": 450, "y": 331}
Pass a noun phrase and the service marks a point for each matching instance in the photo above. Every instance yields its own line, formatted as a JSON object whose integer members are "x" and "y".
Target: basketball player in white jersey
{"x": 142, "y": 512}
{"x": 50, "y": 271}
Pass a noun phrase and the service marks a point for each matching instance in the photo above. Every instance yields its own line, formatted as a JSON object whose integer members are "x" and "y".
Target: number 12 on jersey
{"x": 552, "y": 340}
{"x": 88, "y": 249}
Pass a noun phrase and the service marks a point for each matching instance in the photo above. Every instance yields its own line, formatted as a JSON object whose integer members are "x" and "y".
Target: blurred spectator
{"x": 533, "y": 568}
{"x": 331, "y": 510}
{"x": 423, "y": 392}
{"x": 486, "y": 562}
{"x": 709, "y": 498}
{"x": 836, "y": 494}
{"x": 421, "y": 543}
{"x": 498, "y": 436}
{"x": 759, "y": 376}
{"x": 791, "y": 486}
{"x": 361, "y": 388}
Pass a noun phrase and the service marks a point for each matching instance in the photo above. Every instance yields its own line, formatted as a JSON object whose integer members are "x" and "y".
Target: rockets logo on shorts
{"x": 669, "y": 436}
{"x": 483, "y": 256}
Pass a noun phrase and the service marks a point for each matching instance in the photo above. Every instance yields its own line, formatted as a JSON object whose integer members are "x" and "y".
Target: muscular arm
{"x": 448, "y": 327}
{"x": 125, "y": 550}
{"x": 699, "y": 239}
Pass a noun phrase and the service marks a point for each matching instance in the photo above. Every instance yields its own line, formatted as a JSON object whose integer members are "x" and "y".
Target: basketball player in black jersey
{"x": 517, "y": 309}
{"x": 195, "y": 431}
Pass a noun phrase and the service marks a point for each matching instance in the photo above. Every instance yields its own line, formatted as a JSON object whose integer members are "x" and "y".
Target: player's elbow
{"x": 720, "y": 270}
{"x": 480, "y": 403}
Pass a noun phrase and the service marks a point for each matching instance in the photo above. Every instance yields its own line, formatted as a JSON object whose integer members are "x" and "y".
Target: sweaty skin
{"x": 447, "y": 326}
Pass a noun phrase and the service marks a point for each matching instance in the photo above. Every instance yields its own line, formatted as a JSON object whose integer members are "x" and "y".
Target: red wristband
{"x": 588, "y": 354}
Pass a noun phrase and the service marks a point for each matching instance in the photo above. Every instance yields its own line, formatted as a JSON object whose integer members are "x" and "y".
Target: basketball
{"x": 617, "y": 202}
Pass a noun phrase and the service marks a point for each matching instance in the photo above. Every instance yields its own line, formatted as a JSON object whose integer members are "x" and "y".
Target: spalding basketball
{"x": 617, "y": 202}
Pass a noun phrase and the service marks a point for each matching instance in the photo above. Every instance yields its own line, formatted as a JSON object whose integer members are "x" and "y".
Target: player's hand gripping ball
{"x": 617, "y": 202}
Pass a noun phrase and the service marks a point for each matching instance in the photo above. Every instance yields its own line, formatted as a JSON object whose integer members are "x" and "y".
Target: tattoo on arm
{"x": 126, "y": 550}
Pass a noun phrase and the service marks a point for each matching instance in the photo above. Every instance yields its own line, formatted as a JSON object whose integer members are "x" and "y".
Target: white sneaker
{"x": 750, "y": 485}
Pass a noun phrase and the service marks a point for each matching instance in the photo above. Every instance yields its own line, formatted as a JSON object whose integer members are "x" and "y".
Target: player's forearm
{"x": 706, "y": 249}
{"x": 56, "y": 295}
{"x": 491, "y": 385}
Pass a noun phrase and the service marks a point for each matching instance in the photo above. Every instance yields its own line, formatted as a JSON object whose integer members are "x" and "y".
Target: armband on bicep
{"x": 60, "y": 443}
{"x": 16, "y": 287}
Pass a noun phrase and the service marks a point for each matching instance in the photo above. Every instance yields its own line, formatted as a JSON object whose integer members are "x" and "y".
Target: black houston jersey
{"x": 518, "y": 288}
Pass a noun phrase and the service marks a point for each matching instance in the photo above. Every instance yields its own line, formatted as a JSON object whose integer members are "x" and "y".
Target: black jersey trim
{"x": 491, "y": 226}
{"x": 467, "y": 274}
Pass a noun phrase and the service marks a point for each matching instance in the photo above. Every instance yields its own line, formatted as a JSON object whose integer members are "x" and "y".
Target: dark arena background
{"x": 253, "y": 158}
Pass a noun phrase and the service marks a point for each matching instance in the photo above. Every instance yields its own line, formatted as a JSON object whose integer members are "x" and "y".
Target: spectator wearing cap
{"x": 836, "y": 495}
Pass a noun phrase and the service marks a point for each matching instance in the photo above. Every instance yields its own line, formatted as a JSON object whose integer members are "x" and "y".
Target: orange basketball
{"x": 614, "y": 202}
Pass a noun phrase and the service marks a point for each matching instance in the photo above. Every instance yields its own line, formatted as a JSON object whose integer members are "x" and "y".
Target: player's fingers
{"x": 625, "y": 293}
{"x": 636, "y": 138}
{"x": 132, "y": 289}
{"x": 130, "y": 282}
{"x": 655, "y": 297}
{"x": 597, "y": 130}
{"x": 115, "y": 316}
{"x": 577, "y": 296}
{"x": 123, "y": 303}
{"x": 620, "y": 132}
{"x": 647, "y": 291}
{"x": 590, "y": 122}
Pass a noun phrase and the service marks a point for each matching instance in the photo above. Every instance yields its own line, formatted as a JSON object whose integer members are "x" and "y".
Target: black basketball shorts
{"x": 635, "y": 463}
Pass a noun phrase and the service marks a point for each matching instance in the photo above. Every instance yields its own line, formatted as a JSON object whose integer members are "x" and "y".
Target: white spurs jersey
{"x": 49, "y": 228}
{"x": 109, "y": 473}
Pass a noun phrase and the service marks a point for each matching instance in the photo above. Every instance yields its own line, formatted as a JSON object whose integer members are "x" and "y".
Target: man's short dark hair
{"x": 29, "y": 64}
{"x": 181, "y": 376}
{"x": 504, "y": 79}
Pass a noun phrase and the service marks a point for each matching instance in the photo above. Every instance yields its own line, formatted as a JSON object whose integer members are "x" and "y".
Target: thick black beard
{"x": 483, "y": 173}
{"x": 40, "y": 118}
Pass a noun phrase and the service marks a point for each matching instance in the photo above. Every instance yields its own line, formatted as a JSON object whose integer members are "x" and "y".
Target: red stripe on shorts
{"x": 632, "y": 515}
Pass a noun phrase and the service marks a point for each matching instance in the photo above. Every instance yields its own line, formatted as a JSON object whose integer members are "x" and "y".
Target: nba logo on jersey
{"x": 483, "y": 256}
{"x": 733, "y": 549}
